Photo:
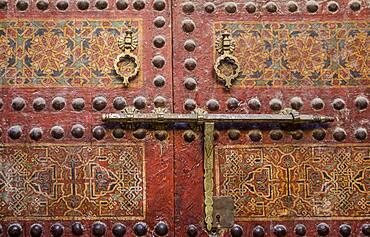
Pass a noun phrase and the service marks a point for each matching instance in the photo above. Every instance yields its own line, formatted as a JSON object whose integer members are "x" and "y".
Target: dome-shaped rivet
{"x": 188, "y": 7}
{"x": 300, "y": 230}
{"x": 276, "y": 104}
{"x": 36, "y": 134}
{"x": 232, "y": 103}
{"x": 161, "y": 135}
{"x": 323, "y": 229}
{"x": 230, "y": 7}
{"x": 190, "y": 64}
{"x": 159, "y": 41}
{"x": 189, "y": 45}
{"x": 365, "y": 229}
{"x": 159, "y": 21}
{"x": 140, "y": 102}
{"x": 119, "y": 230}
{"x": 118, "y": 133}
{"x": 333, "y": 6}
{"x": 216, "y": 134}
{"x": 190, "y": 83}
{"x": 234, "y": 134}
{"x": 292, "y": 6}
{"x": 213, "y": 105}
{"x": 83, "y": 4}
{"x": 192, "y": 231}
{"x": 159, "y": 81}
{"x": 139, "y": 5}
{"x": 42, "y": 5}
{"x": 39, "y": 104}
{"x": 78, "y": 104}
{"x": 250, "y": 7}
{"x": 36, "y": 230}
{"x": 271, "y": 7}
{"x": 161, "y": 229}
{"x": 121, "y": 5}
{"x": 236, "y": 231}
{"x": 57, "y": 132}
{"x": 258, "y": 231}
{"x": 77, "y": 131}
{"x": 345, "y": 230}
{"x": 15, "y": 132}
{"x": 62, "y": 5}
{"x": 312, "y": 6}
{"x": 158, "y": 61}
{"x": 188, "y": 26}
{"x": 255, "y": 135}
{"x": 99, "y": 103}
{"x": 276, "y": 134}
{"x": 3, "y": 4}
{"x": 159, "y": 101}
{"x": 119, "y": 103}
{"x": 317, "y": 104}
{"x": 189, "y": 135}
{"x": 18, "y": 103}
{"x": 361, "y": 102}
{"x": 209, "y": 7}
{"x": 98, "y": 132}
{"x": 339, "y": 134}
{"x": 98, "y": 229}
{"x": 297, "y": 134}
{"x": 1, "y": 103}
{"x": 1, "y": 230}
{"x": 355, "y": 5}
{"x": 140, "y": 229}
{"x": 254, "y": 104}
{"x": 159, "y": 5}
{"x": 57, "y": 230}
{"x": 280, "y": 230}
{"x": 101, "y": 4}
{"x": 21, "y": 5}
{"x": 190, "y": 104}
{"x": 1, "y": 132}
{"x": 15, "y": 230}
{"x": 58, "y": 103}
{"x": 296, "y": 103}
{"x": 319, "y": 134}
{"x": 77, "y": 228}
{"x": 139, "y": 133}
{"x": 361, "y": 134}
{"x": 338, "y": 104}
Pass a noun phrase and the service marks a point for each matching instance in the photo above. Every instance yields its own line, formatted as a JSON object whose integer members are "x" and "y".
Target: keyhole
{"x": 218, "y": 218}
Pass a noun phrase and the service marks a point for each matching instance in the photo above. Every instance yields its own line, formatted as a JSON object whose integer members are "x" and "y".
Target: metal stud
{"x": 15, "y": 230}
{"x": 297, "y": 134}
{"x": 250, "y": 7}
{"x": 159, "y": 41}
{"x": 42, "y": 5}
{"x": 333, "y": 6}
{"x": 296, "y": 103}
{"x": 1, "y": 230}
{"x": 276, "y": 134}
{"x": 230, "y": 7}
{"x": 361, "y": 102}
{"x": 355, "y": 5}
{"x": 1, "y": 132}
{"x": 159, "y": 81}
{"x": 57, "y": 230}
{"x": 99, "y": 103}
{"x": 139, "y": 5}
{"x": 101, "y": 4}
{"x": 57, "y": 132}
{"x": 78, "y": 104}
{"x": 140, "y": 102}
{"x": 361, "y": 134}
{"x": 312, "y": 6}
{"x": 22, "y": 5}
{"x": 159, "y": 101}
{"x": 161, "y": 135}
{"x": 275, "y": 104}
{"x": 338, "y": 104}
{"x": 158, "y": 61}
{"x": 1, "y": 103}
{"x": 36, "y": 230}
{"x": 188, "y": 7}
{"x": 209, "y": 7}
{"x": 190, "y": 64}
{"x": 98, "y": 229}
{"x": 18, "y": 103}
{"x": 39, "y": 104}
{"x": 159, "y": 5}
{"x": 323, "y": 229}
{"x": 319, "y": 134}
{"x": 118, "y": 133}
{"x": 140, "y": 229}
{"x": 213, "y": 105}
{"x": 139, "y": 133}
{"x": 234, "y": 134}
{"x": 98, "y": 132}
{"x": 192, "y": 231}
{"x": 254, "y": 104}
{"x": 365, "y": 229}
{"x": 189, "y": 135}
{"x": 317, "y": 103}
{"x": 300, "y": 230}
{"x": 190, "y": 104}
{"x": 58, "y": 103}
{"x": 236, "y": 231}
{"x": 189, "y": 45}
{"x": 258, "y": 231}
{"x": 36, "y": 134}
{"x": 339, "y": 134}
{"x": 3, "y": 6}
{"x": 345, "y": 230}
{"x": 232, "y": 103}
{"x": 62, "y": 5}
{"x": 119, "y": 230}
{"x": 188, "y": 26}
{"x": 15, "y": 132}
{"x": 77, "y": 228}
{"x": 280, "y": 230}
{"x": 159, "y": 21}
{"x": 119, "y": 103}
{"x": 292, "y": 6}
{"x": 77, "y": 131}
{"x": 271, "y": 7}
{"x": 190, "y": 83}
{"x": 161, "y": 228}
{"x": 83, "y": 4}
{"x": 255, "y": 135}
{"x": 121, "y": 5}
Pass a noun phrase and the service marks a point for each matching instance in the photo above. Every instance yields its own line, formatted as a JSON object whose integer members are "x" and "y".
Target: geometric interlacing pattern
{"x": 56, "y": 181}
{"x": 294, "y": 54}
{"x": 63, "y": 53}
{"x": 295, "y": 182}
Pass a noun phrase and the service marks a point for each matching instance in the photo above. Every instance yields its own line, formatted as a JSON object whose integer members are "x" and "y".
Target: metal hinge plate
{"x": 223, "y": 212}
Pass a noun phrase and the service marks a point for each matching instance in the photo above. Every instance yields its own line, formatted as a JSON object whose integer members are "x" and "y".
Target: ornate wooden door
{"x": 106, "y": 120}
